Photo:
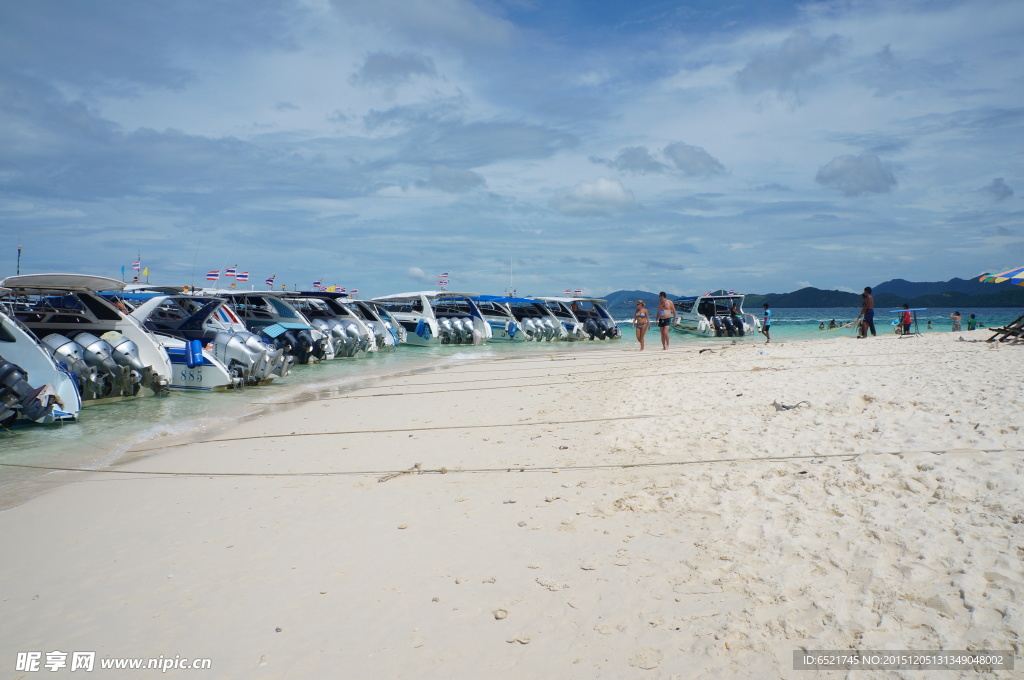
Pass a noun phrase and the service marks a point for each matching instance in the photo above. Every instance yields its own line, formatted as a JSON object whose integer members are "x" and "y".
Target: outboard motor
{"x": 730, "y": 330}
{"x": 18, "y": 399}
{"x": 552, "y": 329}
{"x": 464, "y": 329}
{"x": 359, "y": 338}
{"x": 126, "y": 353}
{"x": 445, "y": 330}
{"x": 590, "y": 326}
{"x": 719, "y": 326}
{"x": 100, "y": 355}
{"x": 91, "y": 383}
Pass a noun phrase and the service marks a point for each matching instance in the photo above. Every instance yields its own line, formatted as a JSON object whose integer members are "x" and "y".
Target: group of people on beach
{"x": 866, "y": 318}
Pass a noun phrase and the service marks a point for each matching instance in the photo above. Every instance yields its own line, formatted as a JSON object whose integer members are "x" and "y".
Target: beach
{"x": 703, "y": 512}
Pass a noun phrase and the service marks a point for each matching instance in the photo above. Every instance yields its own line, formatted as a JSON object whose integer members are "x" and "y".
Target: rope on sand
{"x": 606, "y": 378}
{"x": 417, "y": 469}
{"x": 471, "y": 426}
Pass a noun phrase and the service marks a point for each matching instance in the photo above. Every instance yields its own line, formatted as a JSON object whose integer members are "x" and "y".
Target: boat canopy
{"x": 711, "y": 297}
{"x": 502, "y": 298}
{"x": 424, "y": 293}
{"x": 570, "y": 300}
{"x": 58, "y": 284}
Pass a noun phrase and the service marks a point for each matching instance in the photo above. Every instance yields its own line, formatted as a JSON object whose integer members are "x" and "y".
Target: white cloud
{"x": 602, "y": 196}
{"x": 780, "y": 68}
{"x": 693, "y": 160}
{"x": 856, "y": 175}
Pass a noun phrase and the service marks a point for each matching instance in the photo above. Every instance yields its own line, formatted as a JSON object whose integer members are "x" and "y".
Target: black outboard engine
{"x": 730, "y": 330}
{"x": 719, "y": 326}
{"x": 592, "y": 329}
{"x": 737, "y": 321}
{"x": 18, "y": 399}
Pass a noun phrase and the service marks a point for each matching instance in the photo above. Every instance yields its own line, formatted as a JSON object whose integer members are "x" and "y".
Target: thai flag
{"x": 442, "y": 282}
{"x": 270, "y": 280}
{"x": 317, "y": 284}
{"x": 444, "y": 275}
{"x": 568, "y": 291}
{"x": 732, "y": 292}
{"x": 137, "y": 265}
{"x": 578, "y": 291}
{"x": 242, "y": 277}
{"x": 340, "y": 289}
{"x": 230, "y": 271}
{"x": 352, "y": 293}
{"x": 213, "y": 276}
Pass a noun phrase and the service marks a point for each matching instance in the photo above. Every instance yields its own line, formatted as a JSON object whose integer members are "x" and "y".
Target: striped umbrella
{"x": 1014, "y": 276}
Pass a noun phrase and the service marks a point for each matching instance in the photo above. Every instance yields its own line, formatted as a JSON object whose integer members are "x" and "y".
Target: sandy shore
{"x": 605, "y": 514}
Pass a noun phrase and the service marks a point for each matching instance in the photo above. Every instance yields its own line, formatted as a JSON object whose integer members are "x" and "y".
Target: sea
{"x": 36, "y": 458}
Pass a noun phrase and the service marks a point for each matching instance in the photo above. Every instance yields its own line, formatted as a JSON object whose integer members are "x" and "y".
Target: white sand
{"x": 884, "y": 513}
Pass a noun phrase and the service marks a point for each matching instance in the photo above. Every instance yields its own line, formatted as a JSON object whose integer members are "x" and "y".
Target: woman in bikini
{"x": 641, "y": 322}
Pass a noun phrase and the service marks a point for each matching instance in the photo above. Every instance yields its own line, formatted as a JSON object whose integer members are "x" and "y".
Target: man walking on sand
{"x": 666, "y": 315}
{"x": 867, "y": 310}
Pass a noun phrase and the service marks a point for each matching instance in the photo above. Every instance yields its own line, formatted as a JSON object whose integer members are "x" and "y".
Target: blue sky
{"x": 596, "y": 144}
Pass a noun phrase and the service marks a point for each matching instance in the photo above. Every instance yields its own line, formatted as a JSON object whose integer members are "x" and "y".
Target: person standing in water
{"x": 767, "y": 324}
{"x": 641, "y": 322}
{"x": 666, "y": 315}
{"x": 867, "y": 310}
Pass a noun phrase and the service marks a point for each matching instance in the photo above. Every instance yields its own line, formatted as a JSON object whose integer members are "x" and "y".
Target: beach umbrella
{"x": 1014, "y": 276}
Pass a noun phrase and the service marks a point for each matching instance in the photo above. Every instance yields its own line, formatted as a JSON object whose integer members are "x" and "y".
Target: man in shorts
{"x": 666, "y": 315}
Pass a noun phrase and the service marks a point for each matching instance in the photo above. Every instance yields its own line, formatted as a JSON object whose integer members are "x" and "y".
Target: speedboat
{"x": 208, "y": 344}
{"x": 348, "y": 333}
{"x": 387, "y": 333}
{"x": 438, "y": 317}
{"x": 515, "y": 319}
{"x": 583, "y": 318}
{"x": 280, "y": 324}
{"x": 712, "y": 316}
{"x": 33, "y": 386}
{"x": 110, "y": 353}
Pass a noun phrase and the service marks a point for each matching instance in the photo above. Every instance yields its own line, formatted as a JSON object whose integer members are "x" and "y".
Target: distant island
{"x": 955, "y": 293}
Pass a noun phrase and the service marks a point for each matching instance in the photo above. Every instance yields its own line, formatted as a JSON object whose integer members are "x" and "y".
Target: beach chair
{"x": 1011, "y": 333}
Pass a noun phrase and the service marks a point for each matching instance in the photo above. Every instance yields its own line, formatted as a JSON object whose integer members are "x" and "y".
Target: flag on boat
{"x": 317, "y": 284}
{"x": 230, "y": 271}
{"x": 578, "y": 291}
{"x": 351, "y": 293}
{"x": 708, "y": 293}
{"x": 568, "y": 291}
{"x": 213, "y": 275}
{"x": 731, "y": 292}
{"x": 137, "y": 265}
{"x": 341, "y": 289}
{"x": 442, "y": 283}
{"x": 145, "y": 272}
{"x": 270, "y": 280}
{"x": 242, "y": 277}
{"x": 443, "y": 275}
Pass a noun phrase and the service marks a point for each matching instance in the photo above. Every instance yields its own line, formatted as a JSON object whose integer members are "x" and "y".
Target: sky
{"x": 754, "y": 145}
